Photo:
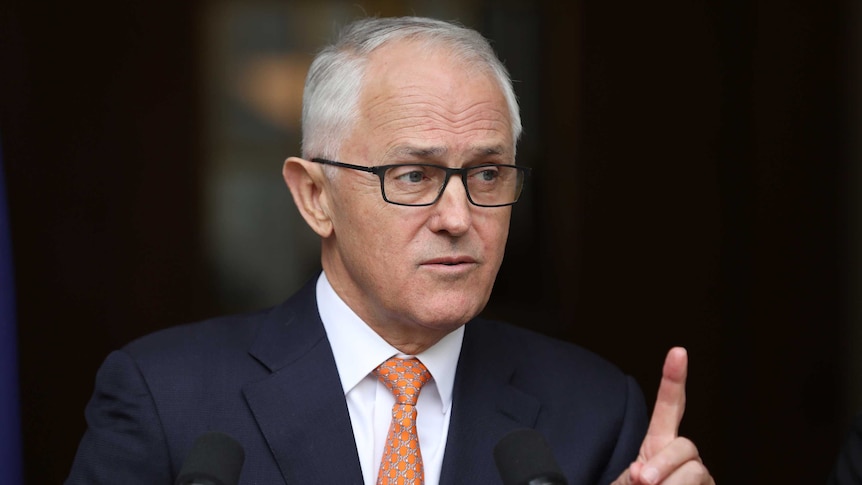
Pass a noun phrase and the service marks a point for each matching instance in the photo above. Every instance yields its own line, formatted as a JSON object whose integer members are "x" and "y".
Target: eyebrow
{"x": 492, "y": 150}
{"x": 428, "y": 152}
{"x": 432, "y": 152}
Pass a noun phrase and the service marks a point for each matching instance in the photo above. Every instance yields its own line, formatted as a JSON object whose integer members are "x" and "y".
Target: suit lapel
{"x": 300, "y": 408}
{"x": 485, "y": 406}
{"x": 302, "y": 414}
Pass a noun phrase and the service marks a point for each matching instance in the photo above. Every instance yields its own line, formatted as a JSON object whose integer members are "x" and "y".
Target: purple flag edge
{"x": 11, "y": 458}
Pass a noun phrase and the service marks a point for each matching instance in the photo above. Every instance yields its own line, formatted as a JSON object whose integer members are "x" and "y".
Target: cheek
{"x": 382, "y": 239}
{"x": 494, "y": 231}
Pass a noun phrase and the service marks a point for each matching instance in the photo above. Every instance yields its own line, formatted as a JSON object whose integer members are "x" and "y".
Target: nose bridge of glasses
{"x": 448, "y": 173}
{"x": 461, "y": 173}
{"x": 455, "y": 201}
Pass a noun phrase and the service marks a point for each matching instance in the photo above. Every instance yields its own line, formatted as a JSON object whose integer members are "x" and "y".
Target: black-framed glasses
{"x": 421, "y": 184}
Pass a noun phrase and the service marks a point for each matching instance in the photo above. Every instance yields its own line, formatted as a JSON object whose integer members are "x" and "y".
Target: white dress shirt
{"x": 358, "y": 350}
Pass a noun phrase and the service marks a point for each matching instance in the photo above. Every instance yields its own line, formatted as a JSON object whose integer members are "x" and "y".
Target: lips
{"x": 450, "y": 261}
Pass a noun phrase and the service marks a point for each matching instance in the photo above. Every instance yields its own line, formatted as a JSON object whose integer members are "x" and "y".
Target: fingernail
{"x": 650, "y": 475}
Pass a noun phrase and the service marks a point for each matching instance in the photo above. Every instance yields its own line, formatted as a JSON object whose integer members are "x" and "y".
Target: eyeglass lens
{"x": 421, "y": 184}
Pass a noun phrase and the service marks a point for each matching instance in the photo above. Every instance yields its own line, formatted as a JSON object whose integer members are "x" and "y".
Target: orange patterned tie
{"x": 402, "y": 460}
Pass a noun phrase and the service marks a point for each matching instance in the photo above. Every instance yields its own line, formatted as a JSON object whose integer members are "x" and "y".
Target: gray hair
{"x": 333, "y": 86}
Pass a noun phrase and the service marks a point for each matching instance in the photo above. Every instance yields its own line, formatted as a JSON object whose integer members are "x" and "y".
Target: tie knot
{"x": 404, "y": 377}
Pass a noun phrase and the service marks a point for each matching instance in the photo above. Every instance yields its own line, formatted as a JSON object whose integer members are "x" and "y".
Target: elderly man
{"x": 379, "y": 371}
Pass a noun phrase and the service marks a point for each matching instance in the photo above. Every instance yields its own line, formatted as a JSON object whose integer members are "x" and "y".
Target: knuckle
{"x": 698, "y": 473}
{"x": 688, "y": 447}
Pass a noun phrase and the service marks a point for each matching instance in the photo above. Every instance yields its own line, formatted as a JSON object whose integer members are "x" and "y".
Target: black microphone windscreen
{"x": 523, "y": 457}
{"x": 215, "y": 459}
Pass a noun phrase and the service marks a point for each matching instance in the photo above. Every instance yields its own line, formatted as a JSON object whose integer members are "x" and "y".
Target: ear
{"x": 309, "y": 188}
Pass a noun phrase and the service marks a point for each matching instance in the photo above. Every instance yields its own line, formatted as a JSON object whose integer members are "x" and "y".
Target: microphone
{"x": 523, "y": 457}
{"x": 215, "y": 459}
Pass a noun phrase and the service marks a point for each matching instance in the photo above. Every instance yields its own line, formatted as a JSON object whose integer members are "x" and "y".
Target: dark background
{"x": 695, "y": 183}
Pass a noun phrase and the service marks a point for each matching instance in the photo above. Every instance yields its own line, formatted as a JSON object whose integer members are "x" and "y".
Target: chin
{"x": 450, "y": 315}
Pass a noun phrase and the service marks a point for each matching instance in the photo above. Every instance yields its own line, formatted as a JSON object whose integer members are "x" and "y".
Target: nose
{"x": 453, "y": 211}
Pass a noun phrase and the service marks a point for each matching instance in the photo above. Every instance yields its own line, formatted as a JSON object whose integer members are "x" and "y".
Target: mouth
{"x": 450, "y": 261}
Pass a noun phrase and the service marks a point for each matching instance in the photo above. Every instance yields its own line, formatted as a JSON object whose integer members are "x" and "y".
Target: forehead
{"x": 416, "y": 94}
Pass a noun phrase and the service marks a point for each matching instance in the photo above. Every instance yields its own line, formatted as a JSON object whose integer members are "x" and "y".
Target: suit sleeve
{"x": 632, "y": 432}
{"x": 848, "y": 466}
{"x": 124, "y": 442}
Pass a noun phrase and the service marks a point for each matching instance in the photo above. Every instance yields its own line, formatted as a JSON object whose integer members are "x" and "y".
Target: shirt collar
{"x": 358, "y": 349}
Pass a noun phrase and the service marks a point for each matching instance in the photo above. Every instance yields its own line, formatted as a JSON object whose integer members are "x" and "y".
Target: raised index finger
{"x": 670, "y": 402}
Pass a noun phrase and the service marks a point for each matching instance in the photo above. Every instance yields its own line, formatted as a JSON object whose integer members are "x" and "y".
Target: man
{"x": 408, "y": 174}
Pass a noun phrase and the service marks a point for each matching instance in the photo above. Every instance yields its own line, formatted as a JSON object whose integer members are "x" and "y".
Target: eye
{"x": 487, "y": 174}
{"x": 412, "y": 174}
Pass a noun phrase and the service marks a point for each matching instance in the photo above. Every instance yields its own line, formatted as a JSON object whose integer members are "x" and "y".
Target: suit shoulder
{"x": 209, "y": 339}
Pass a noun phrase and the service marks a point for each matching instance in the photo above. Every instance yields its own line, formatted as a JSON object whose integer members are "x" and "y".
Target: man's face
{"x": 413, "y": 272}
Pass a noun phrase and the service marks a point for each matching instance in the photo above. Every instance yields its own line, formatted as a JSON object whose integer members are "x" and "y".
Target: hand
{"x": 665, "y": 457}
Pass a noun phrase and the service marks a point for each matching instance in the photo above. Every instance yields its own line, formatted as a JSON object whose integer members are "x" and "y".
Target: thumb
{"x": 627, "y": 477}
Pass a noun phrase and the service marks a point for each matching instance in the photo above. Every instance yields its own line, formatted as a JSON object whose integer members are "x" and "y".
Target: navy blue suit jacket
{"x": 848, "y": 465}
{"x": 269, "y": 380}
